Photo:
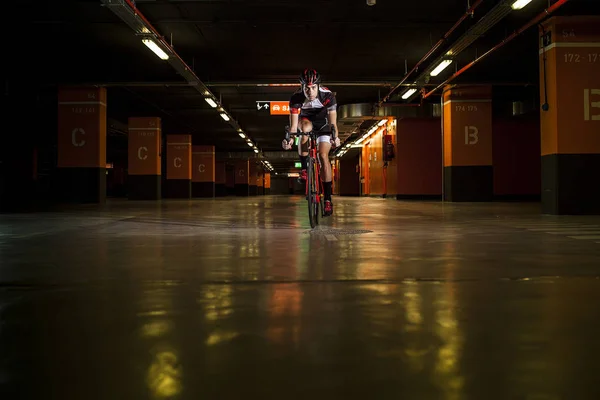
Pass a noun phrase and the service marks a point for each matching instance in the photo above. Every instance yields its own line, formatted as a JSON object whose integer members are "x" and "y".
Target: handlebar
{"x": 300, "y": 133}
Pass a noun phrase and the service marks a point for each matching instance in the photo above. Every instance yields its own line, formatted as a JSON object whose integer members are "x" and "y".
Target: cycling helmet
{"x": 310, "y": 77}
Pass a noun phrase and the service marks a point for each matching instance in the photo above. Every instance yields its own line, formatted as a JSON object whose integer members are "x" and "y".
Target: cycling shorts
{"x": 322, "y": 128}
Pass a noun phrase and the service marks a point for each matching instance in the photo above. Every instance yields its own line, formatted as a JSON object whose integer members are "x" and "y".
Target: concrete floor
{"x": 237, "y": 298}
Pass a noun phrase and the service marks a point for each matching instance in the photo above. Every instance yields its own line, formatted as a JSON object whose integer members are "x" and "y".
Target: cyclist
{"x": 314, "y": 107}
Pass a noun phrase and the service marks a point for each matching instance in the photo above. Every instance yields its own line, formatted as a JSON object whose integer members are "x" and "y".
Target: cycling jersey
{"x": 315, "y": 110}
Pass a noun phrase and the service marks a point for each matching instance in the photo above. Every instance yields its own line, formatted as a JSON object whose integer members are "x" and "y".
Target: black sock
{"x": 327, "y": 189}
{"x": 303, "y": 161}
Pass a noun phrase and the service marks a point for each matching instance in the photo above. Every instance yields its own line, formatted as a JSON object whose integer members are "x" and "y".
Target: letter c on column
{"x": 74, "y": 140}
{"x": 140, "y": 156}
{"x": 176, "y": 161}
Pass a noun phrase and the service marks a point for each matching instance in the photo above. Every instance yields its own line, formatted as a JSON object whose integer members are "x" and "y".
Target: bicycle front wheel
{"x": 312, "y": 192}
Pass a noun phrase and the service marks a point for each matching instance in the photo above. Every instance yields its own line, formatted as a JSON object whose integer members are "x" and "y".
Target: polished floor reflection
{"x": 238, "y": 298}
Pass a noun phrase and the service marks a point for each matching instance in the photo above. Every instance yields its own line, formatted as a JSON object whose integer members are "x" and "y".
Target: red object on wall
{"x": 419, "y": 157}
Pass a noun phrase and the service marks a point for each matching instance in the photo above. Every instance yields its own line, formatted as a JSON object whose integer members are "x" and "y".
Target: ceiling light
{"x": 154, "y": 47}
{"x": 249, "y": 144}
{"x": 242, "y": 135}
{"x": 443, "y": 65}
{"x": 409, "y": 93}
{"x": 382, "y": 122}
{"x": 256, "y": 150}
{"x": 225, "y": 116}
{"x": 517, "y": 5}
{"x": 211, "y": 102}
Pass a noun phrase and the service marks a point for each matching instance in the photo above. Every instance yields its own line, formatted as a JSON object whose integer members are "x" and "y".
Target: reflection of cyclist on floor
{"x": 315, "y": 107}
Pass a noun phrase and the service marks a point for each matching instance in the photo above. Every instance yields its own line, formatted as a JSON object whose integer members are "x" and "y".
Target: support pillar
{"x": 230, "y": 173}
{"x": 242, "y": 178}
{"x": 267, "y": 183}
{"x": 144, "y": 164}
{"x": 203, "y": 175}
{"x": 81, "y": 160}
{"x": 570, "y": 124}
{"x": 220, "y": 179}
{"x": 253, "y": 188}
{"x": 179, "y": 167}
{"x": 260, "y": 182}
{"x": 467, "y": 143}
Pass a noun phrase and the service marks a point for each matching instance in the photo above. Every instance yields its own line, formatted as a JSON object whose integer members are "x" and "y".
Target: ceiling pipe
{"x": 468, "y": 13}
{"x": 131, "y": 15}
{"x": 516, "y": 33}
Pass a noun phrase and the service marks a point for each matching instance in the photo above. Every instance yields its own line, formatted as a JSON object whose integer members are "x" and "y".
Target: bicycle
{"x": 314, "y": 186}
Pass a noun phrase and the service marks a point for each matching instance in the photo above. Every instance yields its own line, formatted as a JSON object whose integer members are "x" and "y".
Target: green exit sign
{"x": 298, "y": 165}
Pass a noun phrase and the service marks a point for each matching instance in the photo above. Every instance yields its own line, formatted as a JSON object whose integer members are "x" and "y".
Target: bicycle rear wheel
{"x": 313, "y": 200}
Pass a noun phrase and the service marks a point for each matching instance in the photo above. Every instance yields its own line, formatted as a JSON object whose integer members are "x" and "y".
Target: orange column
{"x": 144, "y": 153}
{"x": 260, "y": 182}
{"x": 365, "y": 169}
{"x": 220, "y": 179}
{"x": 570, "y": 123}
{"x": 267, "y": 183}
{"x": 203, "y": 171}
{"x": 242, "y": 178}
{"x": 179, "y": 166}
{"x": 467, "y": 142}
{"x": 82, "y": 144}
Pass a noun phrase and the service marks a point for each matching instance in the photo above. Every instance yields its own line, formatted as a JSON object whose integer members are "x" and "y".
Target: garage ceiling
{"x": 235, "y": 47}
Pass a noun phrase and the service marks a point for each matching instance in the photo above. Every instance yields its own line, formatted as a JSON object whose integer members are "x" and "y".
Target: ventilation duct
{"x": 367, "y": 111}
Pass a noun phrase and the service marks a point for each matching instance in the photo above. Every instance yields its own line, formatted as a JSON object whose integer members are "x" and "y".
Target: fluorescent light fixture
{"x": 362, "y": 138}
{"x": 382, "y": 122}
{"x": 443, "y": 65}
{"x": 355, "y": 146}
{"x": 225, "y": 116}
{"x": 242, "y": 135}
{"x": 256, "y": 150}
{"x": 517, "y": 5}
{"x": 211, "y": 102}
{"x": 249, "y": 144}
{"x": 154, "y": 47}
{"x": 409, "y": 93}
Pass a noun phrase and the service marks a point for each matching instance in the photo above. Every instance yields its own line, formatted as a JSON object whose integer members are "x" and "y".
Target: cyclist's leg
{"x": 326, "y": 175}
{"x": 305, "y": 125}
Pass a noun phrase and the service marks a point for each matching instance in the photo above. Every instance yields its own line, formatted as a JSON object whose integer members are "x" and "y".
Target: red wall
{"x": 516, "y": 154}
{"x": 349, "y": 182}
{"x": 419, "y": 156}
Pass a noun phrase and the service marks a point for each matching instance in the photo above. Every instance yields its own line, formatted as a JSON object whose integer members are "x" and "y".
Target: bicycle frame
{"x": 314, "y": 188}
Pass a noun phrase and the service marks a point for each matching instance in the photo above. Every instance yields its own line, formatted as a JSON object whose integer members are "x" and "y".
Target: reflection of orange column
{"x": 144, "y": 180}
{"x": 468, "y": 171}
{"x": 242, "y": 178}
{"x": 570, "y": 83}
{"x": 203, "y": 171}
{"x": 179, "y": 166}
{"x": 82, "y": 144}
{"x": 267, "y": 183}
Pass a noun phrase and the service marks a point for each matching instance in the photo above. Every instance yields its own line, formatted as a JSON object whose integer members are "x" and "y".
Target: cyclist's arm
{"x": 293, "y": 121}
{"x": 294, "y": 106}
{"x": 332, "y": 112}
{"x": 332, "y": 116}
